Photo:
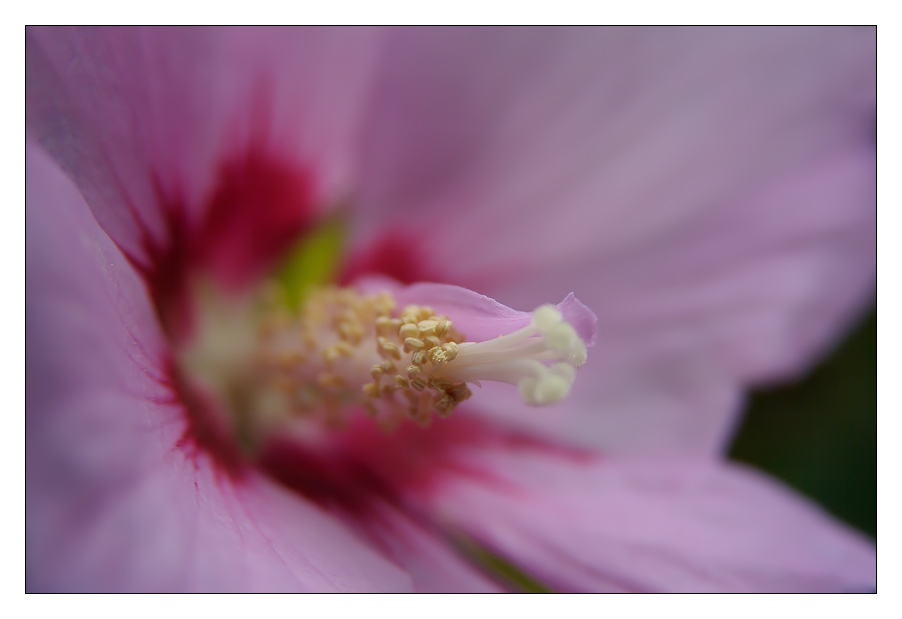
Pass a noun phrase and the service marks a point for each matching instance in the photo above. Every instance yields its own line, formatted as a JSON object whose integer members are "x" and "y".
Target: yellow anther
{"x": 427, "y": 327}
{"x": 432, "y": 341}
{"x": 443, "y": 354}
{"x": 328, "y": 380}
{"x": 388, "y": 349}
{"x": 401, "y": 381}
{"x": 408, "y": 330}
{"x": 459, "y": 392}
{"x": 440, "y": 384}
{"x": 442, "y": 328}
{"x": 344, "y": 349}
{"x": 371, "y": 390}
{"x": 330, "y": 354}
{"x": 350, "y": 332}
{"x": 451, "y": 349}
{"x": 436, "y": 355}
{"x": 443, "y": 405}
{"x": 384, "y": 326}
{"x": 413, "y": 344}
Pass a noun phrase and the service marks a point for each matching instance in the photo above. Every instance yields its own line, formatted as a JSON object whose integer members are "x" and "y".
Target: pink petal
{"x": 113, "y": 502}
{"x": 588, "y": 524}
{"x": 744, "y": 295}
{"x": 709, "y": 193}
{"x": 430, "y": 560}
{"x": 133, "y": 114}
{"x": 570, "y": 144}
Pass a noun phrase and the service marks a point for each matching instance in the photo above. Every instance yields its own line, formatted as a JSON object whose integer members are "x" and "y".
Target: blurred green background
{"x": 819, "y": 434}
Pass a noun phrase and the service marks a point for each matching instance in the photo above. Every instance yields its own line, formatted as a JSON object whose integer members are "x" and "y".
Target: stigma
{"x": 341, "y": 353}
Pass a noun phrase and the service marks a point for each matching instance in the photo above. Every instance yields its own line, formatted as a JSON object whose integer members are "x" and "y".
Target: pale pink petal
{"x": 139, "y": 116}
{"x": 433, "y": 565}
{"x": 687, "y": 322}
{"x": 708, "y": 193}
{"x": 523, "y": 147}
{"x": 114, "y": 500}
{"x": 579, "y": 522}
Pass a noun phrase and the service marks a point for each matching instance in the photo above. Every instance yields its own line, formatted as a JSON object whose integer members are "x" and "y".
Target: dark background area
{"x": 819, "y": 434}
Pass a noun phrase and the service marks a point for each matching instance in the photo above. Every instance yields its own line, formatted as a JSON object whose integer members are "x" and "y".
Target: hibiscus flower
{"x": 203, "y": 413}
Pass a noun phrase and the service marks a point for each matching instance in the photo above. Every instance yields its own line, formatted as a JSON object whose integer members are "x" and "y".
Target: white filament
{"x": 539, "y": 359}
